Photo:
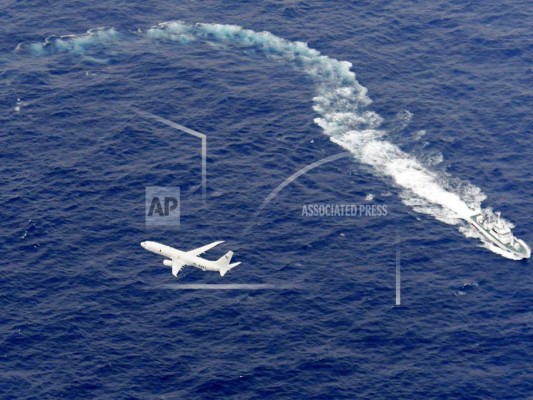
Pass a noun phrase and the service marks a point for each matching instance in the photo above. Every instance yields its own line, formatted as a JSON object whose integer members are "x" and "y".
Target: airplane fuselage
{"x": 181, "y": 256}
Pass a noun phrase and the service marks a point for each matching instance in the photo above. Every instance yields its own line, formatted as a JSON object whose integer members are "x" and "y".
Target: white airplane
{"x": 178, "y": 258}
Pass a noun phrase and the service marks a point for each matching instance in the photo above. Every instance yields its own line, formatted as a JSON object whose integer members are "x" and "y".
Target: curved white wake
{"x": 341, "y": 104}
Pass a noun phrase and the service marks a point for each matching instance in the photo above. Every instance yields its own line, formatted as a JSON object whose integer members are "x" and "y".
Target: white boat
{"x": 500, "y": 235}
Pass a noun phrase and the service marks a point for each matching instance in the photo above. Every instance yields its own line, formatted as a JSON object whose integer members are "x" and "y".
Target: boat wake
{"x": 341, "y": 105}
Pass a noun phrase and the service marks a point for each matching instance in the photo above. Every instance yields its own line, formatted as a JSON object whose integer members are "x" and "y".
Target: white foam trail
{"x": 73, "y": 43}
{"x": 171, "y": 30}
{"x": 341, "y": 104}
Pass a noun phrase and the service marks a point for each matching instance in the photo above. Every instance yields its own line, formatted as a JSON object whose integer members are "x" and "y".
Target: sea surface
{"x": 420, "y": 108}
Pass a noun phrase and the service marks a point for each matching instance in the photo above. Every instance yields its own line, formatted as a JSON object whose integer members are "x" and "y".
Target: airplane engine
{"x": 168, "y": 263}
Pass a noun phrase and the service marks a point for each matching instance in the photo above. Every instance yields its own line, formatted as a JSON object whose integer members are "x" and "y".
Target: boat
{"x": 500, "y": 235}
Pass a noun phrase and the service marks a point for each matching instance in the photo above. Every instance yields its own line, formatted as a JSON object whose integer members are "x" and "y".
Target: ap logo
{"x": 162, "y": 206}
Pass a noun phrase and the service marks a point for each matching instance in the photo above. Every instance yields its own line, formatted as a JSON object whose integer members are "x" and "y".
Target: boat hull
{"x": 520, "y": 252}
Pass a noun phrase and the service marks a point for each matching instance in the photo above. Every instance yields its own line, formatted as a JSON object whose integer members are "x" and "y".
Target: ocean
{"x": 407, "y": 116}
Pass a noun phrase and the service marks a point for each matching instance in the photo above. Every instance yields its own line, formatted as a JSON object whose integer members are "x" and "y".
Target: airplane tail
{"x": 224, "y": 269}
{"x": 225, "y": 259}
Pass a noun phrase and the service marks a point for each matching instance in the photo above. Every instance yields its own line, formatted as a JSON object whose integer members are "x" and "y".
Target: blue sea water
{"x": 435, "y": 111}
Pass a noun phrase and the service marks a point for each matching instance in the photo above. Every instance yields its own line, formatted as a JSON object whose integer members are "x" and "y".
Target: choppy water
{"x": 437, "y": 124}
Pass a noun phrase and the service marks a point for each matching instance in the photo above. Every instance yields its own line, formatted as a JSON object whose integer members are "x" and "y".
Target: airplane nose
{"x": 143, "y": 244}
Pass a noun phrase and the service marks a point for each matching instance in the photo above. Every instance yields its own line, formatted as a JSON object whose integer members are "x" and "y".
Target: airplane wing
{"x": 176, "y": 267}
{"x": 203, "y": 249}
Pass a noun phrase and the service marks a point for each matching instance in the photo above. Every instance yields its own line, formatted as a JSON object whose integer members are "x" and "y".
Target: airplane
{"x": 178, "y": 258}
